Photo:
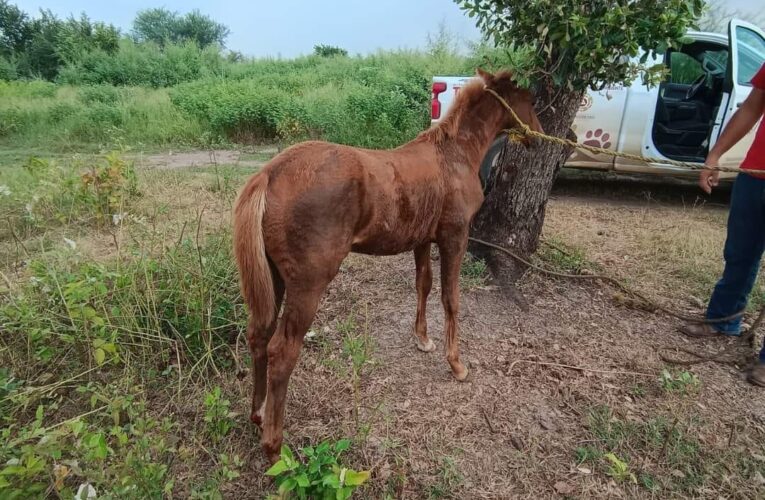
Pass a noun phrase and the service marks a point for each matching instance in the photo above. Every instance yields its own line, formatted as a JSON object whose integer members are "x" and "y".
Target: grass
{"x": 473, "y": 273}
{"x": 661, "y": 454}
{"x": 561, "y": 257}
{"x": 69, "y": 119}
{"x": 448, "y": 479}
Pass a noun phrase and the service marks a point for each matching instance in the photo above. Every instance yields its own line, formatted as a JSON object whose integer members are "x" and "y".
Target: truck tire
{"x": 489, "y": 162}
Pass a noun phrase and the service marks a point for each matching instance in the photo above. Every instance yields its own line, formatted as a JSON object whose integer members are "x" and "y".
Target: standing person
{"x": 745, "y": 242}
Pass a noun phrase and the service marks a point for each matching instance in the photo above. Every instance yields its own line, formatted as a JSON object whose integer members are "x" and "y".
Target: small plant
{"x": 217, "y": 415}
{"x": 473, "y": 272}
{"x": 228, "y": 471}
{"x": 684, "y": 382}
{"x": 618, "y": 469}
{"x": 322, "y": 477}
{"x": 638, "y": 391}
{"x": 449, "y": 479}
{"x": 106, "y": 186}
{"x": 562, "y": 257}
{"x": 356, "y": 346}
{"x": 587, "y": 454}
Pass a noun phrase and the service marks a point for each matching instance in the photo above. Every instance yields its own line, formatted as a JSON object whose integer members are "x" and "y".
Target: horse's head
{"x": 520, "y": 99}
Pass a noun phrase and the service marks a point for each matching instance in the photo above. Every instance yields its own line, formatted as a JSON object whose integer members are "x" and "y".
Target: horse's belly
{"x": 385, "y": 241}
{"x": 381, "y": 245}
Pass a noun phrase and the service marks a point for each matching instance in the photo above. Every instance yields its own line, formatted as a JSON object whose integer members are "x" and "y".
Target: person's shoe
{"x": 700, "y": 331}
{"x": 757, "y": 375}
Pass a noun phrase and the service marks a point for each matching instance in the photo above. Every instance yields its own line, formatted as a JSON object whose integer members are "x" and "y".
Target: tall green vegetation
{"x": 40, "y": 47}
{"x": 162, "y": 26}
{"x": 47, "y": 47}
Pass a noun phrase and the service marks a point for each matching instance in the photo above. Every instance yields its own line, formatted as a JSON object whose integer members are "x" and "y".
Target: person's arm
{"x": 740, "y": 124}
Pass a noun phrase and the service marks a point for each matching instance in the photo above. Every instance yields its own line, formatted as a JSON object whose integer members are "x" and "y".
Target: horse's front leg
{"x": 452, "y": 251}
{"x": 424, "y": 285}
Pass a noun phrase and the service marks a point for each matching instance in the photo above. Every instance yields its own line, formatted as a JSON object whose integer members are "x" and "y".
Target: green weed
{"x": 683, "y": 382}
{"x": 449, "y": 479}
{"x": 218, "y": 416}
{"x": 561, "y": 257}
{"x": 321, "y": 476}
{"x": 473, "y": 272}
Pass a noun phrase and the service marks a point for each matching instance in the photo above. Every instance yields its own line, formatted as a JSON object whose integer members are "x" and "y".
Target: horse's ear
{"x": 485, "y": 75}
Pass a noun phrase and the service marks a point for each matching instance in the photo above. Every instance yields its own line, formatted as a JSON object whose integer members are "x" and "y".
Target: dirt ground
{"x": 186, "y": 159}
{"x": 524, "y": 425}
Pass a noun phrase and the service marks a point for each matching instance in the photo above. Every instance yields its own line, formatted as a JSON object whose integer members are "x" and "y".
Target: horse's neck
{"x": 476, "y": 130}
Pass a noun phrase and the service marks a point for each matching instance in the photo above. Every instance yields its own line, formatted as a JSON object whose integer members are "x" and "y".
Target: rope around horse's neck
{"x": 523, "y": 129}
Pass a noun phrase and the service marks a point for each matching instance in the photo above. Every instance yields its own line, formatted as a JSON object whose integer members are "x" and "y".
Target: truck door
{"x": 747, "y": 54}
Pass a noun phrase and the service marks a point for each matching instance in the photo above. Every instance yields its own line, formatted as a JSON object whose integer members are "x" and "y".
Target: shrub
{"x": 321, "y": 477}
{"x": 145, "y": 64}
{"x": 7, "y": 69}
{"x": 105, "y": 94}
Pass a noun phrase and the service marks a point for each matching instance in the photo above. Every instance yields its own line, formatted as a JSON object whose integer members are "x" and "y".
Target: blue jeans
{"x": 744, "y": 246}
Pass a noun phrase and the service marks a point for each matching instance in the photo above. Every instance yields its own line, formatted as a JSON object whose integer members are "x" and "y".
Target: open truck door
{"x": 746, "y": 56}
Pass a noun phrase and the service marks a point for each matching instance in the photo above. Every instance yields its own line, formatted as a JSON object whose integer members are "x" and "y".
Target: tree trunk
{"x": 514, "y": 210}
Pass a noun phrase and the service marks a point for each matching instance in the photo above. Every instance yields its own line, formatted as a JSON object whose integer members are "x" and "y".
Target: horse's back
{"x": 370, "y": 201}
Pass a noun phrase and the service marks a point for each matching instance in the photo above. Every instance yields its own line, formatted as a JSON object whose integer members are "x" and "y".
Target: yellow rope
{"x": 526, "y": 131}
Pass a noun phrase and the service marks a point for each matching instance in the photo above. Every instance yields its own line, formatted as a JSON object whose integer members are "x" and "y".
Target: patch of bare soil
{"x": 186, "y": 159}
{"x": 522, "y": 425}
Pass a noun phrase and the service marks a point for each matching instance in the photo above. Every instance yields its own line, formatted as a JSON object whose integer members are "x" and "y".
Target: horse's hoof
{"x": 272, "y": 453}
{"x": 428, "y": 346}
{"x": 273, "y": 458}
{"x": 461, "y": 373}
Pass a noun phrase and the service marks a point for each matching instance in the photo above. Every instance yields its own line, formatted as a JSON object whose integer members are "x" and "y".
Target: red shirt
{"x": 755, "y": 158}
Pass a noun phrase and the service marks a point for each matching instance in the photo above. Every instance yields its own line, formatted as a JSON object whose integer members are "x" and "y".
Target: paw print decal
{"x": 597, "y": 138}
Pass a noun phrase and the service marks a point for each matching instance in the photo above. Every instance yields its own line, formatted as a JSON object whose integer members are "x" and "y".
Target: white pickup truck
{"x": 680, "y": 119}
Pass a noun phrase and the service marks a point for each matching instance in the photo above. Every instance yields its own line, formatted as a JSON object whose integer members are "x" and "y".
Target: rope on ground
{"x": 523, "y": 129}
{"x": 648, "y": 303}
{"x": 721, "y": 358}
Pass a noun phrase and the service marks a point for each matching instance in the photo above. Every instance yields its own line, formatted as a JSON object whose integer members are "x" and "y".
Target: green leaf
{"x": 12, "y": 470}
{"x": 353, "y": 478}
{"x": 286, "y": 452}
{"x": 302, "y": 480}
{"x": 288, "y": 485}
{"x": 342, "y": 445}
{"x": 277, "y": 468}
{"x": 100, "y": 356}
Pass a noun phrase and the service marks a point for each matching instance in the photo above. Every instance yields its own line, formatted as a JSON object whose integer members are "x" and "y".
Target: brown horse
{"x": 298, "y": 218}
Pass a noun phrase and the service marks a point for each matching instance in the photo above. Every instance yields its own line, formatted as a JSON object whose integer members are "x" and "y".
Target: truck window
{"x": 751, "y": 54}
{"x": 684, "y": 69}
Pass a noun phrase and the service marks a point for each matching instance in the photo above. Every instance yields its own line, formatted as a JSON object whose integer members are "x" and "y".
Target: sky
{"x": 289, "y": 28}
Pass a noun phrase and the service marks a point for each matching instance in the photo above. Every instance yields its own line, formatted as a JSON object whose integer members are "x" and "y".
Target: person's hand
{"x": 709, "y": 178}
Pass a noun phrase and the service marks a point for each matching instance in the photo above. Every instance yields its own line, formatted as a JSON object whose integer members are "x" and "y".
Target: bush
{"x": 145, "y": 64}
{"x": 376, "y": 101}
{"x": 7, "y": 70}
{"x": 321, "y": 477}
{"x": 106, "y": 94}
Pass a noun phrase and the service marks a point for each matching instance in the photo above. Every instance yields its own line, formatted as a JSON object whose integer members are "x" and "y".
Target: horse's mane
{"x": 448, "y": 127}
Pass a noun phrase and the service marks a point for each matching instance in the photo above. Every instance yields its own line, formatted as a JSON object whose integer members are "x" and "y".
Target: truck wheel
{"x": 489, "y": 162}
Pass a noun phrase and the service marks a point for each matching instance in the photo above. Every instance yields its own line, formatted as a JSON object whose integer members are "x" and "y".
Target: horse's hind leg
{"x": 452, "y": 250}
{"x": 424, "y": 284}
{"x": 283, "y": 352}
{"x": 257, "y": 339}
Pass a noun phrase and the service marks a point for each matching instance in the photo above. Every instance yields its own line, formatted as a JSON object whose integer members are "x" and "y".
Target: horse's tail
{"x": 254, "y": 271}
